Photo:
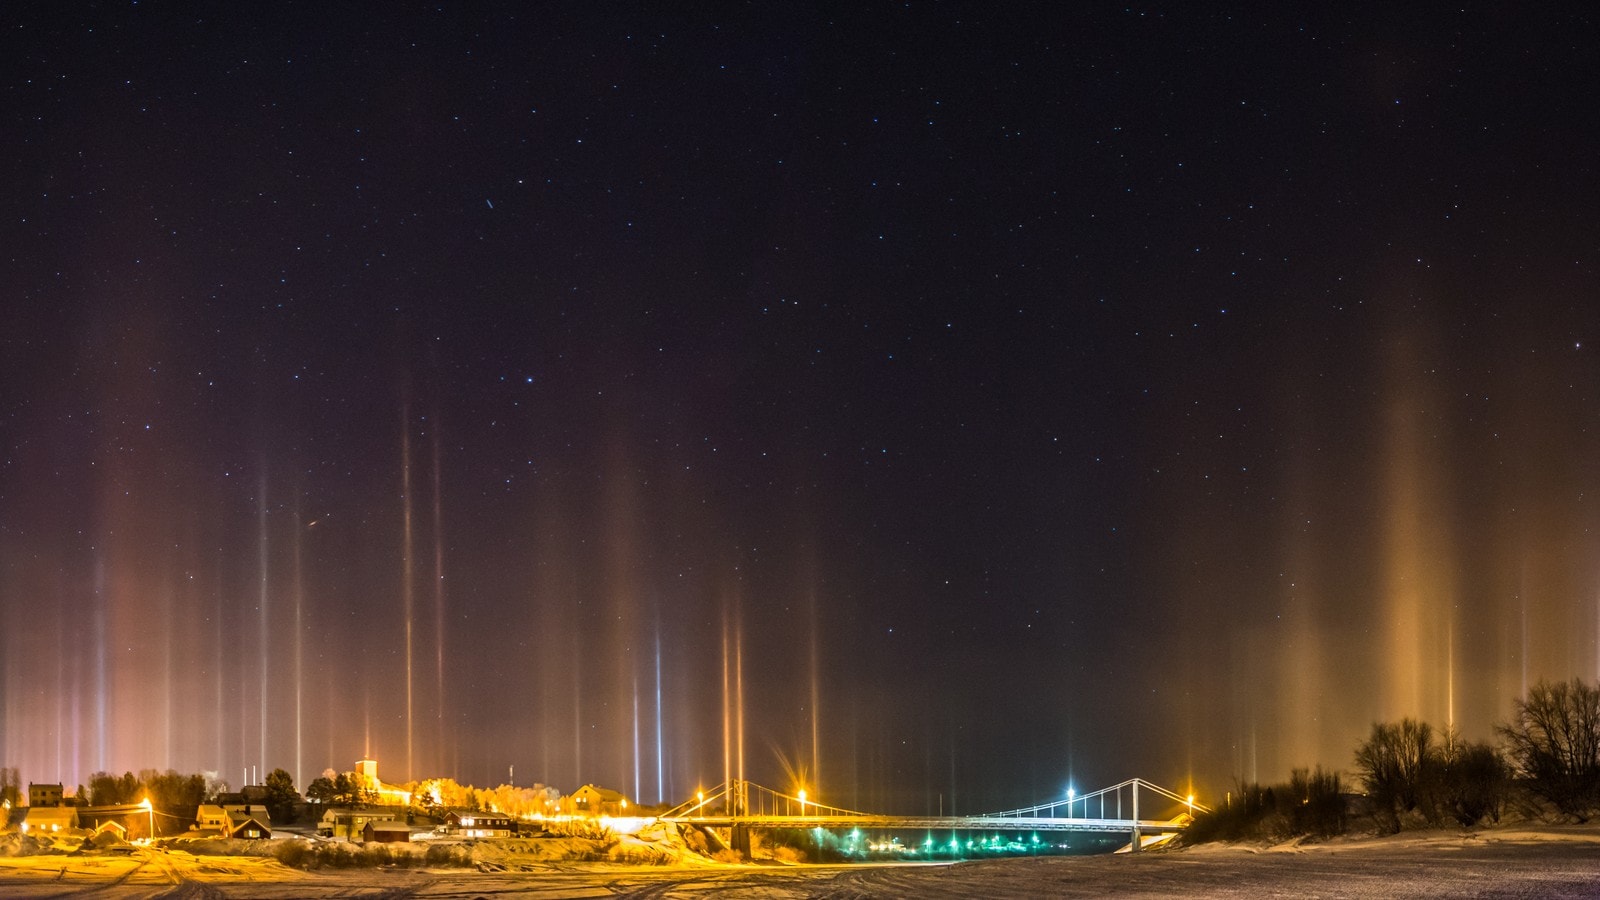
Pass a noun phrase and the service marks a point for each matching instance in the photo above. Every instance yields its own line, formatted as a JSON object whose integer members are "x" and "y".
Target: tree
{"x": 321, "y": 791}
{"x": 169, "y": 790}
{"x": 1553, "y": 740}
{"x": 1471, "y": 780}
{"x": 520, "y": 801}
{"x": 1314, "y": 803}
{"x": 10, "y": 787}
{"x": 281, "y": 798}
{"x": 106, "y": 789}
{"x": 350, "y": 790}
{"x": 175, "y": 797}
{"x": 1394, "y": 764}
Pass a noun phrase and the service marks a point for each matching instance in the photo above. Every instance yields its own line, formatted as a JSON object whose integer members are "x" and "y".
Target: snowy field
{"x": 1532, "y": 863}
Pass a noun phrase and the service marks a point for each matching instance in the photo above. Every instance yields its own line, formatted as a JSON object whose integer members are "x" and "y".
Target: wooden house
{"x": 386, "y": 831}
{"x": 593, "y": 800}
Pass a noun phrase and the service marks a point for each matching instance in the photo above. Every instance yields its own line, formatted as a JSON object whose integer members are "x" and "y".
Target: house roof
{"x": 606, "y": 795}
{"x": 44, "y": 815}
{"x": 389, "y": 826}
{"x": 240, "y": 821}
{"x": 111, "y": 812}
{"x": 238, "y": 818}
{"x": 239, "y": 812}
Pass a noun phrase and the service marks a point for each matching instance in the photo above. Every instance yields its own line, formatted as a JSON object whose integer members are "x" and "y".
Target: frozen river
{"x": 1543, "y": 864}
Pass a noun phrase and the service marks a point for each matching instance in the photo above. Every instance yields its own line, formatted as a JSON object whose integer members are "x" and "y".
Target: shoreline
{"x": 1545, "y": 861}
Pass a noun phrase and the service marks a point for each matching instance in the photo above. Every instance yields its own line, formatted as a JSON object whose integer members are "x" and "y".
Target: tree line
{"x": 1546, "y": 760}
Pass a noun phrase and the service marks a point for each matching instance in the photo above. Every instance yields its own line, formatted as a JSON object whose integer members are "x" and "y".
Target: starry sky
{"x": 937, "y": 404}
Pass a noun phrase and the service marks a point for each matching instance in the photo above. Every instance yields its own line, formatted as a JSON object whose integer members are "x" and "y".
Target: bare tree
{"x": 1470, "y": 780}
{"x": 1313, "y": 802}
{"x": 1554, "y": 741}
{"x": 1393, "y": 764}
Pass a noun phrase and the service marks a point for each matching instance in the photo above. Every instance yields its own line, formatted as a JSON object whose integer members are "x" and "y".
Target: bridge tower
{"x": 1134, "y": 847}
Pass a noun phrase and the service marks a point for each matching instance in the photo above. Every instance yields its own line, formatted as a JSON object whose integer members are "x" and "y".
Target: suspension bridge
{"x": 743, "y": 804}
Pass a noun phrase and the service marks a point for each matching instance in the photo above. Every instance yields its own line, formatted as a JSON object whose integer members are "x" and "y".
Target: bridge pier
{"x": 739, "y": 835}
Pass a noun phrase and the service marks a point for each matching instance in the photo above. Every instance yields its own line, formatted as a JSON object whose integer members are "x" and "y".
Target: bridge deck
{"x": 934, "y": 823}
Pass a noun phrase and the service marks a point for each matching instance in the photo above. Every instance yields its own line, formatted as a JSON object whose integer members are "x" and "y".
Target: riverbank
{"x": 1524, "y": 861}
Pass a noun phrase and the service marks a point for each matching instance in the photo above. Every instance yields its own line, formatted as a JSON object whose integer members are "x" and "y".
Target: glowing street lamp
{"x": 1070, "y": 794}
{"x": 150, "y": 809}
{"x": 802, "y": 801}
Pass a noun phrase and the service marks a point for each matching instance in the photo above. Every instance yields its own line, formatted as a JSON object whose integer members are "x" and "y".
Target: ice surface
{"x": 1534, "y": 862}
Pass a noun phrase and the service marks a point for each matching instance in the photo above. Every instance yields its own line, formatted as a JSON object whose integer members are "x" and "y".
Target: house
{"x": 47, "y": 819}
{"x": 133, "y": 817}
{"x": 245, "y": 821}
{"x": 45, "y": 794}
{"x": 252, "y": 810}
{"x": 106, "y": 837}
{"x": 386, "y": 831}
{"x": 211, "y": 817}
{"x": 348, "y": 824}
{"x": 474, "y": 824}
{"x": 243, "y": 825}
{"x": 241, "y": 815}
{"x": 592, "y": 800}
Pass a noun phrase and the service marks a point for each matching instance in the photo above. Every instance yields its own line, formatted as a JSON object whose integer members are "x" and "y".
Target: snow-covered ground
{"x": 1526, "y": 862}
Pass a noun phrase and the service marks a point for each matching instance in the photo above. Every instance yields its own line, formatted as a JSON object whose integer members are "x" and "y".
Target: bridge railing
{"x": 746, "y": 798}
{"x": 1096, "y": 802}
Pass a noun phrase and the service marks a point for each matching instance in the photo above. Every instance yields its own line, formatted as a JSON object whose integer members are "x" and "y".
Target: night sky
{"x": 993, "y": 397}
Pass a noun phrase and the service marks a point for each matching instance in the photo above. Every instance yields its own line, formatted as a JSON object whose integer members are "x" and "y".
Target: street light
{"x": 1070, "y": 794}
{"x": 151, "y": 810}
{"x": 802, "y": 801}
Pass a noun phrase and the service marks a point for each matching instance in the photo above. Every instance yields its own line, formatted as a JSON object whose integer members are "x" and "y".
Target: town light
{"x": 802, "y": 801}
{"x": 150, "y": 809}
